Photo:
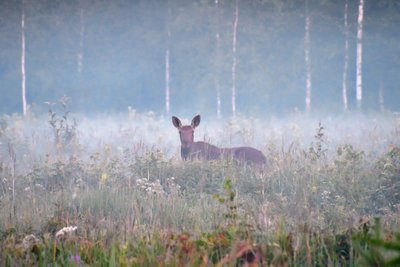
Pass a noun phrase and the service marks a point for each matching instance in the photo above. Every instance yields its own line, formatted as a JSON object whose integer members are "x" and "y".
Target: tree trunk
{"x": 346, "y": 56}
{"x": 167, "y": 64}
{"x": 23, "y": 73}
{"x": 217, "y": 58}
{"x": 81, "y": 37}
{"x": 381, "y": 98}
{"x": 167, "y": 82}
{"x": 359, "y": 53}
{"x": 307, "y": 58}
{"x": 235, "y": 25}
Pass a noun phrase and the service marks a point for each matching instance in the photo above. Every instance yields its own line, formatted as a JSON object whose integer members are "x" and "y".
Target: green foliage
{"x": 318, "y": 149}
{"x": 63, "y": 129}
{"x": 387, "y": 193}
{"x": 228, "y": 200}
{"x": 137, "y": 207}
{"x": 378, "y": 247}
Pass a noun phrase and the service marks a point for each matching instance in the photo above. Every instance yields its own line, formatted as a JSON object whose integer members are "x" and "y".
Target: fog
{"x": 116, "y": 61}
{"x": 303, "y": 99}
{"x": 110, "y": 55}
{"x": 140, "y": 134}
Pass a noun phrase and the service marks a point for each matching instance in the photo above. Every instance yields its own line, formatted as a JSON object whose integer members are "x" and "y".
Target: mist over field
{"x": 146, "y": 132}
{"x": 296, "y": 160}
{"x": 69, "y": 177}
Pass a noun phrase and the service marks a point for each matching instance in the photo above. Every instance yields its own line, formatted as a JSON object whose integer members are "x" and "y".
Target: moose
{"x": 205, "y": 151}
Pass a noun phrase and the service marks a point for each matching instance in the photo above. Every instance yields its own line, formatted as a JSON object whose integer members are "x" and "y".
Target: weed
{"x": 64, "y": 130}
{"x": 135, "y": 203}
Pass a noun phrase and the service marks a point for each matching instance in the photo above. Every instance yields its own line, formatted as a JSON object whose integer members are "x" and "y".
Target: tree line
{"x": 211, "y": 56}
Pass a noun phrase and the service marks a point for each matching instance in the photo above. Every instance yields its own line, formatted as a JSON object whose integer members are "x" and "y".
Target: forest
{"x": 108, "y": 110}
{"x": 198, "y": 55}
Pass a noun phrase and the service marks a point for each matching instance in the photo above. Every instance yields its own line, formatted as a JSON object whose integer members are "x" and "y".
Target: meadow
{"x": 112, "y": 190}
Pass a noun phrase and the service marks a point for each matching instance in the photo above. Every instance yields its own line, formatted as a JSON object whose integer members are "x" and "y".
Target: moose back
{"x": 202, "y": 150}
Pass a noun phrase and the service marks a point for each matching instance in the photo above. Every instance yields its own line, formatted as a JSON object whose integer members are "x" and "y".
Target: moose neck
{"x": 185, "y": 152}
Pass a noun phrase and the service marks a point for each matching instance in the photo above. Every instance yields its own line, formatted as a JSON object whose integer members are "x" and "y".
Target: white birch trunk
{"x": 359, "y": 54}
{"x": 307, "y": 58}
{"x": 167, "y": 65}
{"x": 23, "y": 73}
{"x": 234, "y": 41}
{"x": 346, "y": 56}
{"x": 381, "y": 98}
{"x": 217, "y": 57}
{"x": 167, "y": 82}
{"x": 81, "y": 38}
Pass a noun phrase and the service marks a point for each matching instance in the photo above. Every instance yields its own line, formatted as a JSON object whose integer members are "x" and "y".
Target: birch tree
{"x": 81, "y": 38}
{"x": 217, "y": 58}
{"x": 359, "y": 53}
{"x": 307, "y": 57}
{"x": 167, "y": 63}
{"x": 346, "y": 55}
{"x": 23, "y": 52}
{"x": 234, "y": 42}
{"x": 381, "y": 98}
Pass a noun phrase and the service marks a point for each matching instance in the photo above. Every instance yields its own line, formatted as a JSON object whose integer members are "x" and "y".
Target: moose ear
{"x": 195, "y": 121}
{"x": 176, "y": 122}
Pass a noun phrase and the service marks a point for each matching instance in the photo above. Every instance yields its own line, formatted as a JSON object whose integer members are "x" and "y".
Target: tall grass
{"x": 134, "y": 202}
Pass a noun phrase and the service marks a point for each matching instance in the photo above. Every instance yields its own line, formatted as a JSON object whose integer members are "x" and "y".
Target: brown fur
{"x": 202, "y": 150}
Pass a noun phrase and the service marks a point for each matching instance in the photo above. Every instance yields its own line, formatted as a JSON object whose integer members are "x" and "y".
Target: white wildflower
{"x": 325, "y": 194}
{"x": 66, "y": 230}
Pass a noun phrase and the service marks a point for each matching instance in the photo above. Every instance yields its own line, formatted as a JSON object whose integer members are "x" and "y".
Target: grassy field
{"x": 113, "y": 191}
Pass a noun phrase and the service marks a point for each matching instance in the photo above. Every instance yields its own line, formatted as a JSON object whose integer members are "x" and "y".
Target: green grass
{"x": 313, "y": 205}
